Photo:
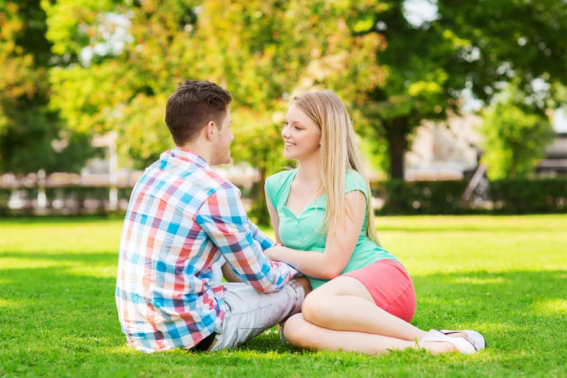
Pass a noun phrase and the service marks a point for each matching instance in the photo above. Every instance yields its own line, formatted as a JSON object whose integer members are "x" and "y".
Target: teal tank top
{"x": 304, "y": 232}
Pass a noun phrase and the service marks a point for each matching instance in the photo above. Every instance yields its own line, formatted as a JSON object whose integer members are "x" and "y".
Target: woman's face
{"x": 301, "y": 135}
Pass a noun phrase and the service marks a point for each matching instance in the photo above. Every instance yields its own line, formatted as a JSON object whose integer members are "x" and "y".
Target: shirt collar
{"x": 188, "y": 156}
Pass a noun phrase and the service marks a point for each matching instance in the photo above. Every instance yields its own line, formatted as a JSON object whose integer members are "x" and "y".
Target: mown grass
{"x": 503, "y": 276}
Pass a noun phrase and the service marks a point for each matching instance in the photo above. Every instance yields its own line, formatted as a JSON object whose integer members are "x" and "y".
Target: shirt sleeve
{"x": 354, "y": 181}
{"x": 223, "y": 219}
{"x": 270, "y": 194}
{"x": 260, "y": 237}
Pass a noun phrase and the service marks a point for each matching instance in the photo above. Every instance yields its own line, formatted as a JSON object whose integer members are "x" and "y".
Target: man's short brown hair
{"x": 194, "y": 104}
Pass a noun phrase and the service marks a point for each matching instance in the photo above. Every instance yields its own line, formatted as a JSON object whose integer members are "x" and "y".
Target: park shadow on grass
{"x": 75, "y": 311}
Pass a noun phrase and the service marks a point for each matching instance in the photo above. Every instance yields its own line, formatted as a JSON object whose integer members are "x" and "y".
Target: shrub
{"x": 443, "y": 197}
{"x": 529, "y": 196}
{"x": 421, "y": 197}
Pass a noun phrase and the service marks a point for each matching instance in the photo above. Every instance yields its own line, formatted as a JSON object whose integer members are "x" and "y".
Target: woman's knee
{"x": 317, "y": 308}
{"x": 296, "y": 331}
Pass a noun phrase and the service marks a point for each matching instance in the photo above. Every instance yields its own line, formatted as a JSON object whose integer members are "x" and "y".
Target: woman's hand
{"x": 274, "y": 253}
{"x": 338, "y": 248}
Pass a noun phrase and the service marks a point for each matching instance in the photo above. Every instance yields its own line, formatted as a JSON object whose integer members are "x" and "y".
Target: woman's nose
{"x": 285, "y": 132}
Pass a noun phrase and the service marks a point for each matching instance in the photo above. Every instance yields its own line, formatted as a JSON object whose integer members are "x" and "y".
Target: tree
{"x": 514, "y": 139}
{"x": 476, "y": 46}
{"x": 32, "y": 137}
{"x": 262, "y": 51}
{"x": 268, "y": 51}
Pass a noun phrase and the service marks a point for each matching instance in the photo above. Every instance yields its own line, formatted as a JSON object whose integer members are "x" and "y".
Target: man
{"x": 182, "y": 220}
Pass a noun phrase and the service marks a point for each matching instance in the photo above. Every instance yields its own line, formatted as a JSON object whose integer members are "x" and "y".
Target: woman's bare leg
{"x": 344, "y": 304}
{"x": 304, "y": 335}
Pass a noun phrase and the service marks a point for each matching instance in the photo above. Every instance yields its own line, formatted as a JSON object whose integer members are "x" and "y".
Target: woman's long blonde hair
{"x": 339, "y": 153}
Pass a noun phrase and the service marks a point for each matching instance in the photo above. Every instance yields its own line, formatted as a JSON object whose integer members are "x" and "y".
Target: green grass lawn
{"x": 503, "y": 276}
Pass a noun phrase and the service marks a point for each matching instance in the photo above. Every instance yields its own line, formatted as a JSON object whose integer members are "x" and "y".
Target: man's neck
{"x": 201, "y": 149}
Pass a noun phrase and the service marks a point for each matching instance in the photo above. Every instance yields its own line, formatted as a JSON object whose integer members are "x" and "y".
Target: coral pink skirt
{"x": 390, "y": 286}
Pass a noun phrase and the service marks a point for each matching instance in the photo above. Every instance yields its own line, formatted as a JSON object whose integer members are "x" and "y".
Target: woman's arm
{"x": 274, "y": 216}
{"x": 338, "y": 248}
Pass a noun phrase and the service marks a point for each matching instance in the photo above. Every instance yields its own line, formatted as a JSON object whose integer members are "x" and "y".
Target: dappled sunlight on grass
{"x": 551, "y": 307}
{"x": 53, "y": 237}
{"x": 426, "y": 253}
{"x": 25, "y": 263}
{"x": 8, "y": 303}
{"x": 478, "y": 281}
{"x": 502, "y": 276}
{"x": 109, "y": 272}
{"x": 96, "y": 264}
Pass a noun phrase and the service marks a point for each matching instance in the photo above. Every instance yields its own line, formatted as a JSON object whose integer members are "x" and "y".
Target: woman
{"x": 363, "y": 298}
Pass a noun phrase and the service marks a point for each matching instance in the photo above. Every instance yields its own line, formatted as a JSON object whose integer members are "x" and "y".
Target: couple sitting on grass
{"x": 327, "y": 280}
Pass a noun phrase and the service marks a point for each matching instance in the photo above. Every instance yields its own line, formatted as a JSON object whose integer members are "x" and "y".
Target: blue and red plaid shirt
{"x": 182, "y": 217}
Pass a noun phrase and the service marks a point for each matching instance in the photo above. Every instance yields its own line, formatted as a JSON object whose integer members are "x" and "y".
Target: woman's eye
{"x": 297, "y": 128}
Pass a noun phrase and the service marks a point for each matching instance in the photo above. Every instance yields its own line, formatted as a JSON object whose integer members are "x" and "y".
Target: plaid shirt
{"x": 182, "y": 217}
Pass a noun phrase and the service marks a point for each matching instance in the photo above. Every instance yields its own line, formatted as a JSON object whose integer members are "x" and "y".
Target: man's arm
{"x": 260, "y": 237}
{"x": 223, "y": 218}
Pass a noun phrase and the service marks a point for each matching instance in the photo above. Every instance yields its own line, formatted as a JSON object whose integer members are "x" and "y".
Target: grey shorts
{"x": 249, "y": 313}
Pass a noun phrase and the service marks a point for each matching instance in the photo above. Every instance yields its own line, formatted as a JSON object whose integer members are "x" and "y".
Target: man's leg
{"x": 249, "y": 313}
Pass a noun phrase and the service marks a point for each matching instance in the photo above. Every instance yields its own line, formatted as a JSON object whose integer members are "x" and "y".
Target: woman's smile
{"x": 300, "y": 134}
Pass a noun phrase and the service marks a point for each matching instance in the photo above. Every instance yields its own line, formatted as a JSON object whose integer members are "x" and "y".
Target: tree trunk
{"x": 396, "y": 133}
{"x": 513, "y": 167}
{"x": 259, "y": 210}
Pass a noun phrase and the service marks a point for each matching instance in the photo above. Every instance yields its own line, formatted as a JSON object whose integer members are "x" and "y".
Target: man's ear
{"x": 210, "y": 130}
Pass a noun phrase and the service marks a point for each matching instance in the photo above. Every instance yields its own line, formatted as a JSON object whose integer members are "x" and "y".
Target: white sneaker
{"x": 475, "y": 338}
{"x": 463, "y": 345}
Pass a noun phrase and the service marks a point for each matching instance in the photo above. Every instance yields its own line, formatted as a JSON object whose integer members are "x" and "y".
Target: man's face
{"x": 221, "y": 153}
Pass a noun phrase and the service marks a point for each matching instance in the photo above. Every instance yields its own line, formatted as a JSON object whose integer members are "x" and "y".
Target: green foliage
{"x": 418, "y": 83}
{"x": 272, "y": 51}
{"x": 4, "y": 199}
{"x": 444, "y": 197}
{"x": 112, "y": 65}
{"x": 421, "y": 197}
{"x": 529, "y": 196}
{"x": 473, "y": 45}
{"x": 508, "y": 40}
{"x": 264, "y": 53}
{"x": 513, "y": 140}
{"x": 29, "y": 130}
{"x": 503, "y": 276}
